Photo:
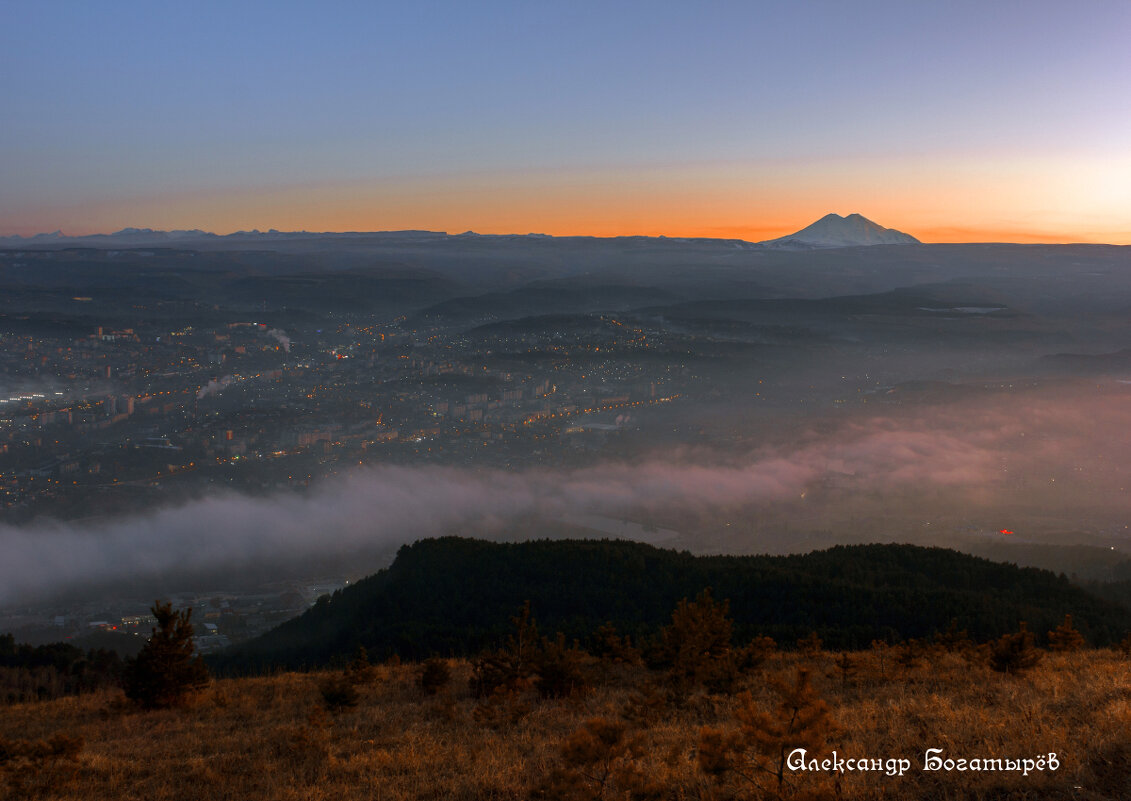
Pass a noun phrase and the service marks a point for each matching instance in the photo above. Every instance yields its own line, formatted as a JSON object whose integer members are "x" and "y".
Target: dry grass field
{"x": 628, "y": 735}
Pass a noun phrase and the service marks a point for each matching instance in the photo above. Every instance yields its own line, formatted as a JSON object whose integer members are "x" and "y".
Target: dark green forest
{"x": 456, "y": 596}
{"x": 36, "y": 672}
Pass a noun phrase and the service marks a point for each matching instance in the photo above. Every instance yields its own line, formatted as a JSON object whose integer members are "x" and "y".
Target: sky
{"x": 953, "y": 121}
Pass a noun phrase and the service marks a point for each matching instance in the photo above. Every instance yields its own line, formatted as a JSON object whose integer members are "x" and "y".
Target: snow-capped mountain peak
{"x": 834, "y": 231}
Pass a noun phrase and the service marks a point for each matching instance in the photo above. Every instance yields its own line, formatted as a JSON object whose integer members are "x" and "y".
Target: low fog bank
{"x": 1047, "y": 466}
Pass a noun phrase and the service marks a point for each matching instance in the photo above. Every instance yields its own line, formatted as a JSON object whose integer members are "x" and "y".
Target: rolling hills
{"x": 455, "y": 596}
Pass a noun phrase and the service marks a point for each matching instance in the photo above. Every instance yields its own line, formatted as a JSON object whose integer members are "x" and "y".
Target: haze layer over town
{"x": 193, "y": 413}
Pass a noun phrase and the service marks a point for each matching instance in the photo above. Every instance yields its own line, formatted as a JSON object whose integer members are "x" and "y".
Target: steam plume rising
{"x": 213, "y": 386}
{"x": 280, "y": 336}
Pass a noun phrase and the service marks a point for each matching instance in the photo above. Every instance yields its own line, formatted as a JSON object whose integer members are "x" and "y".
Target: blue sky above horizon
{"x": 952, "y": 121}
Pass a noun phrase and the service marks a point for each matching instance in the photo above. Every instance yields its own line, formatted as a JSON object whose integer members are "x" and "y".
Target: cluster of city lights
{"x": 18, "y": 398}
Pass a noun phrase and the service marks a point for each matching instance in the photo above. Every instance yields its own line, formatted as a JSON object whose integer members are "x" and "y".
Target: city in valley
{"x": 245, "y": 423}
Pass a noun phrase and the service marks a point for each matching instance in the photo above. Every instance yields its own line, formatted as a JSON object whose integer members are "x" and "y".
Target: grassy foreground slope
{"x": 456, "y": 596}
{"x": 626, "y": 737}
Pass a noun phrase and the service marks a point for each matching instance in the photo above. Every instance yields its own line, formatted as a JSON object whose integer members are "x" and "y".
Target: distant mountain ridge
{"x": 834, "y": 231}
{"x": 831, "y": 231}
{"x": 127, "y": 237}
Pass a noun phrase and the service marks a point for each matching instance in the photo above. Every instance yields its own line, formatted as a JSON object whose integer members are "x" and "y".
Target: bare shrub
{"x": 649, "y": 705}
{"x": 338, "y": 693}
{"x": 434, "y": 675}
{"x": 607, "y": 645}
{"x": 22, "y": 761}
{"x": 601, "y": 760}
{"x": 503, "y": 708}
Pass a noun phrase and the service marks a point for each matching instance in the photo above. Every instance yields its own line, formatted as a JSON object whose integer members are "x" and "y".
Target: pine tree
{"x": 1065, "y": 637}
{"x": 697, "y": 643}
{"x": 1014, "y": 653}
{"x": 755, "y": 652}
{"x": 764, "y": 740}
{"x": 512, "y": 666}
{"x": 847, "y": 667}
{"x": 165, "y": 671}
{"x": 360, "y": 670}
{"x": 954, "y": 640}
{"x": 811, "y": 646}
{"x": 559, "y": 668}
{"x": 880, "y": 649}
{"x": 601, "y": 760}
{"x": 911, "y": 654}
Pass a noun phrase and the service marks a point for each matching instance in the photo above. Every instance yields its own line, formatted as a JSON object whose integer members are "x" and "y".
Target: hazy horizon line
{"x": 719, "y": 233}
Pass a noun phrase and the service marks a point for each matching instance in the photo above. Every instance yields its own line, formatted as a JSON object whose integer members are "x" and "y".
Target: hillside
{"x": 455, "y": 596}
{"x": 625, "y": 737}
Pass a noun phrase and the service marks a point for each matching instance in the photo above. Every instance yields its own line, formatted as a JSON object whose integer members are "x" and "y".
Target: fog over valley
{"x": 230, "y": 412}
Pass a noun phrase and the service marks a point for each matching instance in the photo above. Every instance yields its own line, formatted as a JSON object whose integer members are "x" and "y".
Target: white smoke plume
{"x": 214, "y": 386}
{"x": 280, "y": 336}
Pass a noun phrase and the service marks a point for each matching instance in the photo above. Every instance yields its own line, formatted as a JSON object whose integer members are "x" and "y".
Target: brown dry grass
{"x": 270, "y": 738}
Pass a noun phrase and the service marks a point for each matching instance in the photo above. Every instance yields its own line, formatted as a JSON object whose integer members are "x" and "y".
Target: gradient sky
{"x": 953, "y": 121}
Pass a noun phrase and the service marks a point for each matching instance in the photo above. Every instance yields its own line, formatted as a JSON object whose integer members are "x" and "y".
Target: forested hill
{"x": 457, "y": 596}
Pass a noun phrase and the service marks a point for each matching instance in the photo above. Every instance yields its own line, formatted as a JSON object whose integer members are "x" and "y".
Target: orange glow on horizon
{"x": 1025, "y": 201}
{"x": 747, "y": 233}
{"x": 603, "y": 222}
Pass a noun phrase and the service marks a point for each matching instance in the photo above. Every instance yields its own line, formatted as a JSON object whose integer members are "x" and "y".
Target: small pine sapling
{"x": 600, "y": 760}
{"x": 757, "y": 753}
{"x": 165, "y": 672}
{"x": 1014, "y": 653}
{"x": 811, "y": 646}
{"x": 359, "y": 670}
{"x": 880, "y": 651}
{"x": 1065, "y": 637}
{"x": 802, "y": 719}
{"x": 752, "y": 655}
{"x": 954, "y": 640}
{"x": 512, "y": 666}
{"x": 559, "y": 669}
{"x": 911, "y": 654}
{"x": 697, "y": 644}
{"x": 846, "y": 666}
